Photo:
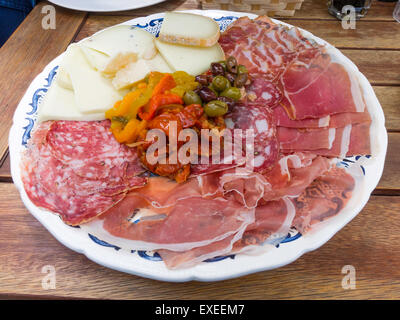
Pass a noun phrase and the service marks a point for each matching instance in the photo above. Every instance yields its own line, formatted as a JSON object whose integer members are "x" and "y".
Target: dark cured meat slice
{"x": 53, "y": 183}
{"x": 263, "y": 91}
{"x": 95, "y": 159}
{"x": 259, "y": 119}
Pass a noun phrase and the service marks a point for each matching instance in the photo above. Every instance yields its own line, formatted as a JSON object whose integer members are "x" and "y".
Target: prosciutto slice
{"x": 59, "y": 177}
{"x": 190, "y": 223}
{"x": 272, "y": 220}
{"x": 324, "y": 198}
{"x": 292, "y": 174}
{"x": 338, "y": 120}
{"x": 320, "y": 88}
{"x": 305, "y": 139}
{"x": 350, "y": 140}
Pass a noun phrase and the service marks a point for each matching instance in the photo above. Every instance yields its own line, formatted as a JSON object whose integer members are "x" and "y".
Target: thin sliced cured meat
{"x": 190, "y": 223}
{"x": 52, "y": 178}
{"x": 305, "y": 139}
{"x": 189, "y": 258}
{"x": 282, "y": 120}
{"x": 265, "y": 47}
{"x": 338, "y": 120}
{"x": 319, "y": 89}
{"x": 263, "y": 91}
{"x": 349, "y": 141}
{"x": 272, "y": 220}
{"x": 292, "y": 174}
{"x": 324, "y": 198}
{"x": 90, "y": 148}
{"x": 254, "y": 117}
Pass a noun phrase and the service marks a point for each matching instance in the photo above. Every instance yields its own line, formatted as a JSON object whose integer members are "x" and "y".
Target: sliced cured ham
{"x": 265, "y": 47}
{"x": 271, "y": 219}
{"x": 305, "y": 139}
{"x": 338, "y": 120}
{"x": 324, "y": 198}
{"x": 291, "y": 175}
{"x": 190, "y": 223}
{"x": 349, "y": 141}
{"x": 58, "y": 176}
{"x": 319, "y": 89}
{"x": 282, "y": 120}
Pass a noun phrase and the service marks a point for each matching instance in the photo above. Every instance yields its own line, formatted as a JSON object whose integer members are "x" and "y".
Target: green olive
{"x": 216, "y": 108}
{"x": 220, "y": 83}
{"x": 232, "y": 92}
{"x": 242, "y": 69}
{"x": 191, "y": 97}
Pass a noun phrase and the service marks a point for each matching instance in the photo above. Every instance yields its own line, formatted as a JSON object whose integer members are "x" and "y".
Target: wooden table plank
{"x": 25, "y": 54}
{"x": 366, "y": 35}
{"x": 310, "y": 9}
{"x": 318, "y": 10}
{"x": 26, "y": 247}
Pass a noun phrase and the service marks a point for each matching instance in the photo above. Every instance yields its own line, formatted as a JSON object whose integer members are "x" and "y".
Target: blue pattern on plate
{"x": 154, "y": 27}
{"x": 102, "y": 243}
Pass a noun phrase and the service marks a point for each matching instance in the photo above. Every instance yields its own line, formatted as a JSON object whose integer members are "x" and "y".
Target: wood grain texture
{"x": 310, "y": 9}
{"x": 367, "y": 243}
{"x": 366, "y": 35}
{"x": 25, "y": 54}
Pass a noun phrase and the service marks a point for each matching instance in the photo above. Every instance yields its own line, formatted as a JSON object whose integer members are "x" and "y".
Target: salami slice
{"x": 255, "y": 117}
{"x": 63, "y": 173}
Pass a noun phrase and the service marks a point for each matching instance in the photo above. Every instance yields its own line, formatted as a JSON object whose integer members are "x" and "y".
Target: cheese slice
{"x": 193, "y": 60}
{"x": 122, "y": 38}
{"x": 189, "y": 29}
{"x": 95, "y": 58}
{"x": 63, "y": 78}
{"x": 59, "y": 104}
{"x": 135, "y": 72}
{"x": 93, "y": 92}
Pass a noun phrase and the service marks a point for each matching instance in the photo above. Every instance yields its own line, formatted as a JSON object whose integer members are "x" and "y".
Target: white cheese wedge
{"x": 93, "y": 92}
{"x": 189, "y": 29}
{"x": 59, "y": 104}
{"x": 135, "y": 72}
{"x": 193, "y": 60}
{"x": 63, "y": 78}
{"x": 95, "y": 58}
{"x": 123, "y": 38}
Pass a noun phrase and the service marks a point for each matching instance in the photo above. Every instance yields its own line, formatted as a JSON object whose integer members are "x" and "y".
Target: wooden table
{"x": 370, "y": 242}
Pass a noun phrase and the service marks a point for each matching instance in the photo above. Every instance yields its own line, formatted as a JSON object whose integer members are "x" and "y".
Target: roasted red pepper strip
{"x": 157, "y": 101}
{"x": 167, "y": 82}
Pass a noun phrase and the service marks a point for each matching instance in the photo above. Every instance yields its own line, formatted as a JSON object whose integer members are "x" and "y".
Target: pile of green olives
{"x": 219, "y": 91}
